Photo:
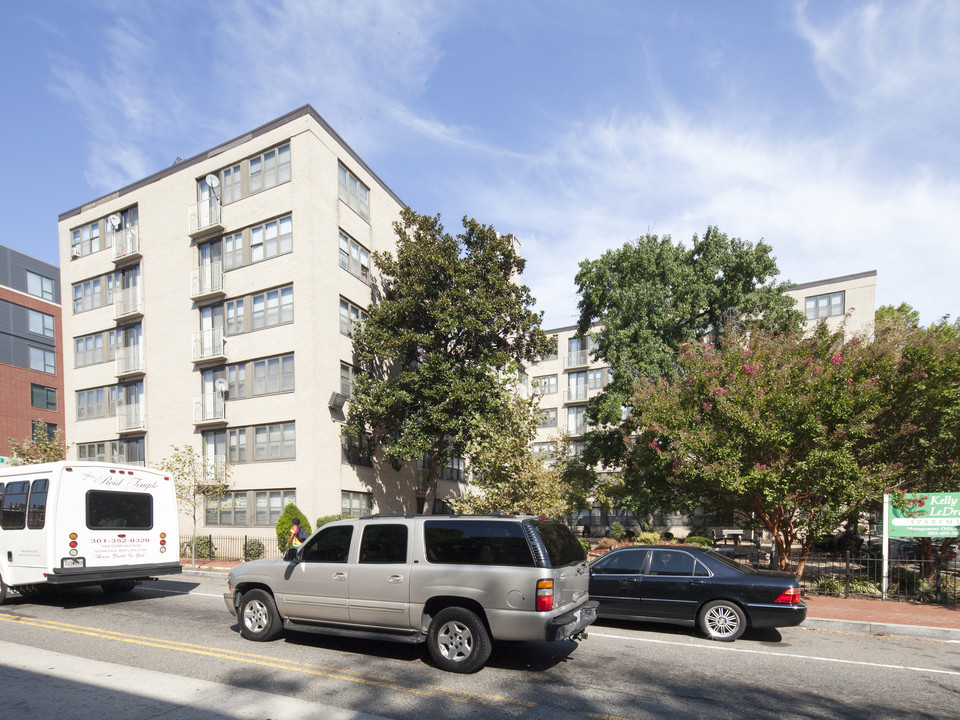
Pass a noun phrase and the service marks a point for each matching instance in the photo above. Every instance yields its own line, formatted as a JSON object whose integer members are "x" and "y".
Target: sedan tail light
{"x": 789, "y": 596}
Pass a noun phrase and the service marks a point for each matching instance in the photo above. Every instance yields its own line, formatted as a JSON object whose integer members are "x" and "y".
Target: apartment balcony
{"x": 579, "y": 358}
{"x": 204, "y": 218}
{"x": 127, "y": 303}
{"x": 126, "y": 245}
{"x": 576, "y": 394}
{"x": 208, "y": 346}
{"x": 129, "y": 361}
{"x": 209, "y": 408}
{"x": 577, "y": 429}
{"x": 206, "y": 281}
{"x": 131, "y": 418}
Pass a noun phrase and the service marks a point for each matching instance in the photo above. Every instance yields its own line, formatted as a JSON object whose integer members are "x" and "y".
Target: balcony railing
{"x": 575, "y": 394}
{"x": 129, "y": 360}
{"x": 127, "y": 302}
{"x": 130, "y": 417}
{"x": 209, "y": 407}
{"x": 208, "y": 344}
{"x": 206, "y": 280}
{"x": 126, "y": 244}
{"x": 204, "y": 218}
{"x": 578, "y": 358}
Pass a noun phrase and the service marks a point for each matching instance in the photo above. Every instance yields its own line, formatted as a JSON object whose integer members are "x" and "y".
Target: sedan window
{"x": 669, "y": 562}
{"x": 627, "y": 562}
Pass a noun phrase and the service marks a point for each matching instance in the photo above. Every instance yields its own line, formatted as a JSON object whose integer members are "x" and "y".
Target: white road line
{"x": 792, "y": 656}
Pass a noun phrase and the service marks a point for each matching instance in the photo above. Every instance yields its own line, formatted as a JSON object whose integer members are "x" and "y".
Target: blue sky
{"x": 827, "y": 128}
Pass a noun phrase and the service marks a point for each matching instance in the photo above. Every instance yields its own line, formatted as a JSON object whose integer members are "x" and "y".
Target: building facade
{"x": 212, "y": 304}
{"x": 850, "y": 299}
{"x": 31, "y": 356}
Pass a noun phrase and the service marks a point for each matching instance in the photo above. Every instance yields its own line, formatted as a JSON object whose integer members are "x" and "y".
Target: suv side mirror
{"x": 290, "y": 555}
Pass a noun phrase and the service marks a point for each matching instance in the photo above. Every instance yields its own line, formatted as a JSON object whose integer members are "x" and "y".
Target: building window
{"x": 355, "y": 504}
{"x": 350, "y": 316}
{"x": 230, "y": 184}
{"x": 270, "y": 169}
{"x": 576, "y": 420}
{"x": 114, "y": 451}
{"x": 273, "y": 375}
{"x": 354, "y": 193}
{"x": 44, "y": 398}
{"x": 548, "y": 418}
{"x": 543, "y": 449}
{"x": 545, "y": 385}
{"x": 271, "y": 239}
{"x": 231, "y": 509}
{"x": 270, "y": 503}
{"x": 354, "y": 257}
{"x": 97, "y": 402}
{"x": 357, "y": 449}
{"x": 87, "y": 239}
{"x": 235, "y": 314}
{"x": 821, "y": 306}
{"x": 237, "y": 381}
{"x": 98, "y": 292}
{"x": 237, "y": 445}
{"x": 43, "y": 361}
{"x": 346, "y": 380}
{"x": 40, "y": 323}
{"x": 88, "y": 350}
{"x": 594, "y": 379}
{"x": 276, "y": 441}
{"x": 232, "y": 251}
{"x": 577, "y": 386}
{"x": 39, "y": 286}
{"x": 273, "y": 307}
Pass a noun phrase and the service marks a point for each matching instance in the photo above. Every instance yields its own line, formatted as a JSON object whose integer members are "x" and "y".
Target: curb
{"x": 879, "y": 628}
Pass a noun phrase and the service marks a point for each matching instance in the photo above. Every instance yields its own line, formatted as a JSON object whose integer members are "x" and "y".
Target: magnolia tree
{"x": 765, "y": 429}
{"x": 197, "y": 482}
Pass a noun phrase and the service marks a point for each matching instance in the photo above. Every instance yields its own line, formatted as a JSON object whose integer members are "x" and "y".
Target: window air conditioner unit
{"x": 337, "y": 401}
{"x": 74, "y": 253}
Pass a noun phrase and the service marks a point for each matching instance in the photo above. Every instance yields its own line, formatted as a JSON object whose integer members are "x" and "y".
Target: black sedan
{"x": 691, "y": 586}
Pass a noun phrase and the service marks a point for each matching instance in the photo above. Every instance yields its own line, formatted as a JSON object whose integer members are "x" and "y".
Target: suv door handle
{"x": 395, "y": 579}
{"x": 339, "y": 576}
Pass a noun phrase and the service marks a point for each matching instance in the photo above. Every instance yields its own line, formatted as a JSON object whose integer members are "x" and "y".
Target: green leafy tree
{"x": 451, "y": 318}
{"x": 766, "y": 428}
{"x": 40, "y": 448}
{"x": 512, "y": 478}
{"x": 918, "y": 428}
{"x": 196, "y": 482}
{"x": 651, "y": 296}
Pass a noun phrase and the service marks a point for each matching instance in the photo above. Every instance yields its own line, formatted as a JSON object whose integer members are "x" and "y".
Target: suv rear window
{"x": 562, "y": 547}
{"x": 476, "y": 542}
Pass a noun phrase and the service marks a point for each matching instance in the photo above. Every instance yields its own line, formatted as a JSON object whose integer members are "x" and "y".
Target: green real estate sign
{"x": 925, "y": 515}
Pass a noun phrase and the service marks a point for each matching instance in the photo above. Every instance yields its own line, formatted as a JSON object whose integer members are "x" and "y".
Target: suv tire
{"x": 458, "y": 640}
{"x": 257, "y": 616}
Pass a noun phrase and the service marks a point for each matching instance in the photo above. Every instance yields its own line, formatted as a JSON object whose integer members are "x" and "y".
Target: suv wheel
{"x": 722, "y": 620}
{"x": 458, "y": 640}
{"x": 257, "y": 615}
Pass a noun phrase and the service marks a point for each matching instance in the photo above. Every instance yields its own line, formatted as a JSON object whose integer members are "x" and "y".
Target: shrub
{"x": 585, "y": 544}
{"x": 666, "y": 535}
{"x": 253, "y": 550}
{"x": 698, "y": 540}
{"x": 607, "y": 543}
{"x": 203, "y": 549}
{"x": 285, "y": 522}
{"x": 647, "y": 538}
{"x": 617, "y": 531}
{"x": 827, "y": 585}
{"x": 326, "y": 519}
{"x": 700, "y": 531}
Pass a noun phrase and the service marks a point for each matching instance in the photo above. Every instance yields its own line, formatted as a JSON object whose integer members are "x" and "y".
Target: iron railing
{"x": 233, "y": 548}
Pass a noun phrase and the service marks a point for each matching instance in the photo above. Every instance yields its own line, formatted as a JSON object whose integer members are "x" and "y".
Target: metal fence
{"x": 242, "y": 548}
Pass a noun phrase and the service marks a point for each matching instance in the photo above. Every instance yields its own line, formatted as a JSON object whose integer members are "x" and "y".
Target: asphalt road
{"x": 181, "y": 628}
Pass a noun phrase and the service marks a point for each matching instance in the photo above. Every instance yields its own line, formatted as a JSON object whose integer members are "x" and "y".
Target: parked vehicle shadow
{"x": 763, "y": 635}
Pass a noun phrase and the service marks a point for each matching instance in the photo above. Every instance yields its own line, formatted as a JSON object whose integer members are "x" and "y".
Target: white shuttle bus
{"x": 86, "y": 523}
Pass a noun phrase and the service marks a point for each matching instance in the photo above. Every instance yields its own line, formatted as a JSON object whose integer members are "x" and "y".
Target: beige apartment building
{"x": 212, "y": 305}
{"x": 851, "y": 296}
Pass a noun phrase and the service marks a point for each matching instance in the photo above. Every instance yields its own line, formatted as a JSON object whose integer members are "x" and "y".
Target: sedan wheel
{"x": 458, "y": 640}
{"x": 722, "y": 620}
{"x": 258, "y": 616}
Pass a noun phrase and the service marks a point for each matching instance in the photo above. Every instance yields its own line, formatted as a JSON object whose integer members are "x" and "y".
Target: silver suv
{"x": 454, "y": 582}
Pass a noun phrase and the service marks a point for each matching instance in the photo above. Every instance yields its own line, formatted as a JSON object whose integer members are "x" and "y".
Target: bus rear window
{"x": 111, "y": 510}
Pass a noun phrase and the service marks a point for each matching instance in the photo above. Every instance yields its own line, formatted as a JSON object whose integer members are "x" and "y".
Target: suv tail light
{"x": 544, "y": 595}
{"x": 789, "y": 596}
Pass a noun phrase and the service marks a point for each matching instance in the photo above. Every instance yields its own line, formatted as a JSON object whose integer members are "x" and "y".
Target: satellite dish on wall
{"x": 212, "y": 180}
{"x": 220, "y": 385}
{"x": 114, "y": 220}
